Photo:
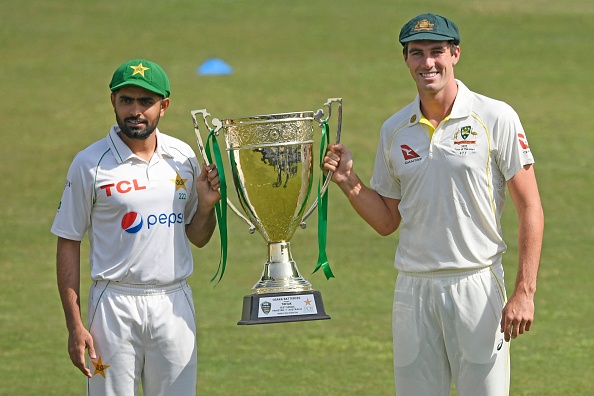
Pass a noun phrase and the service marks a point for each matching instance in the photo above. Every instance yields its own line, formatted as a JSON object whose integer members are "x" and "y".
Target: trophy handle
{"x": 318, "y": 116}
{"x": 218, "y": 125}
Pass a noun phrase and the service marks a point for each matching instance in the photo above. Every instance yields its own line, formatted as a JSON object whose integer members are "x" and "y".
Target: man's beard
{"x": 136, "y": 132}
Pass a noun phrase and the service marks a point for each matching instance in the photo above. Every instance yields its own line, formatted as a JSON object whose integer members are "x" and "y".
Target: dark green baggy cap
{"x": 429, "y": 27}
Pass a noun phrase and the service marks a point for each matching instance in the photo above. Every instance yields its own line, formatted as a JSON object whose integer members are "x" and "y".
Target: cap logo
{"x": 424, "y": 25}
{"x": 139, "y": 69}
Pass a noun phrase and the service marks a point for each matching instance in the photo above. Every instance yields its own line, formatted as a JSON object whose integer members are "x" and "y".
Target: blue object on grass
{"x": 214, "y": 66}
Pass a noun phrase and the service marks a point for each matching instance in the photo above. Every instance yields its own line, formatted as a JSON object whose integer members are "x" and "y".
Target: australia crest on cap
{"x": 424, "y": 25}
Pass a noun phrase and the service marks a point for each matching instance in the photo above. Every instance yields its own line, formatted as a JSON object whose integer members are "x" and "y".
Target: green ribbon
{"x": 221, "y": 206}
{"x": 323, "y": 208}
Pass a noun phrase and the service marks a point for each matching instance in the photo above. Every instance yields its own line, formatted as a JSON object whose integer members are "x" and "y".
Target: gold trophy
{"x": 271, "y": 160}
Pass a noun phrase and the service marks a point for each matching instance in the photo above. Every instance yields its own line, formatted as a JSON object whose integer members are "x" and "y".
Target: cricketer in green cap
{"x": 142, "y": 73}
{"x": 429, "y": 27}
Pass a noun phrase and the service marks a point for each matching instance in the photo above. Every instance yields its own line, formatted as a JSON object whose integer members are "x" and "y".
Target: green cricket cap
{"x": 142, "y": 73}
{"x": 429, "y": 27}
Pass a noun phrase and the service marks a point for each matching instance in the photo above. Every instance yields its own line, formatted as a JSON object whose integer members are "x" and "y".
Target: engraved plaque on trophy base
{"x": 282, "y": 307}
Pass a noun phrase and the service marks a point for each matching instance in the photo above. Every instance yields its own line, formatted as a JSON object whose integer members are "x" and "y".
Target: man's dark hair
{"x": 450, "y": 43}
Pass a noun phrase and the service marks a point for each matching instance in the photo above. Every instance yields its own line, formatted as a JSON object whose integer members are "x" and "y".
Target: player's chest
{"x": 158, "y": 182}
{"x": 463, "y": 146}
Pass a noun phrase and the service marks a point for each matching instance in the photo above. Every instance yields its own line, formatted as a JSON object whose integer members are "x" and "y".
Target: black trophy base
{"x": 282, "y": 307}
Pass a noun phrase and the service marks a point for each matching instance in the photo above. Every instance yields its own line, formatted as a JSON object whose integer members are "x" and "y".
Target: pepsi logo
{"x": 132, "y": 222}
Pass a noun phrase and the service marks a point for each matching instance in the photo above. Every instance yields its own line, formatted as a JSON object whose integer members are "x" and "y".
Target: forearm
{"x": 202, "y": 226}
{"x": 530, "y": 235}
{"x": 379, "y": 212}
{"x": 68, "y": 277}
{"x": 518, "y": 313}
{"x": 68, "y": 274}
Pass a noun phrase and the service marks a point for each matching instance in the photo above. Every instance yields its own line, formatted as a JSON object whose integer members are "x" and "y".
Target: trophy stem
{"x": 280, "y": 272}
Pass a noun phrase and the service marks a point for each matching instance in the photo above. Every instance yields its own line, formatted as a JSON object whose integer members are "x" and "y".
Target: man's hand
{"x": 78, "y": 341}
{"x": 207, "y": 186}
{"x": 204, "y": 221}
{"x": 339, "y": 160}
{"x": 517, "y": 316}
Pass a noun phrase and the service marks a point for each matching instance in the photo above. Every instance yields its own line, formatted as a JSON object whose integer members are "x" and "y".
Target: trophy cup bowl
{"x": 271, "y": 161}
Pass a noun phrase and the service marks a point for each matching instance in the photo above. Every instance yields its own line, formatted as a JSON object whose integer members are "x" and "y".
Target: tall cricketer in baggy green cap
{"x": 142, "y": 73}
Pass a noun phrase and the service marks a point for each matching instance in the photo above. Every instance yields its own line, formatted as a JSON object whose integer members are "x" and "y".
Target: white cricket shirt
{"x": 134, "y": 211}
{"x": 451, "y": 185}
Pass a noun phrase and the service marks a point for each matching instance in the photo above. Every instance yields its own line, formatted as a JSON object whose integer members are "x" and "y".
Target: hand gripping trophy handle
{"x": 217, "y": 127}
{"x": 318, "y": 116}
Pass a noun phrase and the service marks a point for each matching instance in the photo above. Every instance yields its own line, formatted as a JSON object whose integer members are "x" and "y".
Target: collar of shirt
{"x": 122, "y": 152}
{"x": 462, "y": 108}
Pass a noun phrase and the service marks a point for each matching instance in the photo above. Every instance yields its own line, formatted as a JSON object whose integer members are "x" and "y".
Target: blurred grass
{"x": 56, "y": 59}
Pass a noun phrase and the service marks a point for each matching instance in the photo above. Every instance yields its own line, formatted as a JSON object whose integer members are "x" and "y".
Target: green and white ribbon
{"x": 323, "y": 208}
{"x": 221, "y": 206}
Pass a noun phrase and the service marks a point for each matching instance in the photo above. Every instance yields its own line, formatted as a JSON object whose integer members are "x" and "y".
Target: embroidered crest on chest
{"x": 465, "y": 140}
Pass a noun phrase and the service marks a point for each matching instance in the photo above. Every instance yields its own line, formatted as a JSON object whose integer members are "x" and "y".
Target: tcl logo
{"x": 122, "y": 187}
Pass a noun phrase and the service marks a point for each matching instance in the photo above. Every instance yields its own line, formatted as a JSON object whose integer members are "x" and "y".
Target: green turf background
{"x": 56, "y": 60}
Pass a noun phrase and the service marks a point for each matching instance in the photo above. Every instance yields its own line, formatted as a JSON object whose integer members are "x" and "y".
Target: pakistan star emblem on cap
{"x": 139, "y": 69}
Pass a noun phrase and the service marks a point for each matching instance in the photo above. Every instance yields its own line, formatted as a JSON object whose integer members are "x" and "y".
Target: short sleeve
{"x": 73, "y": 218}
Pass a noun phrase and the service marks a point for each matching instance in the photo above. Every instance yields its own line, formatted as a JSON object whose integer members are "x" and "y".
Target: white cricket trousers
{"x": 142, "y": 333}
{"x": 446, "y": 325}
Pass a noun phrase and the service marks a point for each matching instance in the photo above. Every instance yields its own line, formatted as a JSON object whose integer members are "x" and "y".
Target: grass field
{"x": 56, "y": 60}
